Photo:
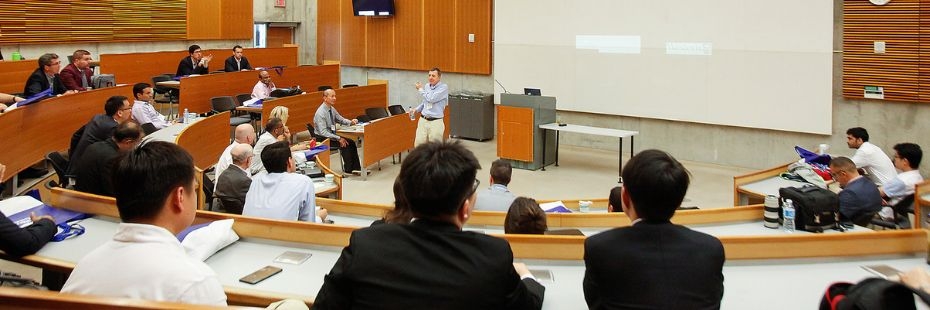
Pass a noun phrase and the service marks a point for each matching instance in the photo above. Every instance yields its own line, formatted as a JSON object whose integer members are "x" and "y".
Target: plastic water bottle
{"x": 184, "y": 117}
{"x": 788, "y": 212}
{"x": 413, "y": 114}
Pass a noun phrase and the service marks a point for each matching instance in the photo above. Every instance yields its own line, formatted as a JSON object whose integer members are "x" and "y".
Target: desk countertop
{"x": 769, "y": 186}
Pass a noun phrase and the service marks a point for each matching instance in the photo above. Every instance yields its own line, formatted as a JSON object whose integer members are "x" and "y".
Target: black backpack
{"x": 815, "y": 209}
{"x": 871, "y": 294}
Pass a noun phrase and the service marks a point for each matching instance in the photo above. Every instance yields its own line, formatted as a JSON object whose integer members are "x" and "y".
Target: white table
{"x": 170, "y": 133}
{"x": 620, "y": 134}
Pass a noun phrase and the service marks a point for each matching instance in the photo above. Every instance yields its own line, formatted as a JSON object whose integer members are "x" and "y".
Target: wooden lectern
{"x": 519, "y": 138}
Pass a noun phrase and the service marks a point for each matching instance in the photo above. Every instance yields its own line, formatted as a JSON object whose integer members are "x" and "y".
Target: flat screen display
{"x": 373, "y": 7}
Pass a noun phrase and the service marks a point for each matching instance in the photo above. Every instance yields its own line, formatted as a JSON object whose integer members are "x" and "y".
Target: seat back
{"x": 363, "y": 118}
{"x": 323, "y": 87}
{"x": 223, "y": 103}
{"x": 240, "y": 98}
{"x": 60, "y": 164}
{"x": 376, "y": 113}
{"x": 396, "y": 109}
{"x": 148, "y": 128}
{"x": 349, "y": 85}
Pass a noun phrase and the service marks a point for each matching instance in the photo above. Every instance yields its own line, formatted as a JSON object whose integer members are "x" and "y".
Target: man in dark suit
{"x": 430, "y": 263}
{"x": 237, "y": 62}
{"x": 860, "y": 198}
{"x": 76, "y": 76}
{"x": 118, "y": 110}
{"x": 196, "y": 63}
{"x": 92, "y": 169}
{"x": 653, "y": 263}
{"x": 233, "y": 184}
{"x": 18, "y": 241}
{"x": 45, "y": 77}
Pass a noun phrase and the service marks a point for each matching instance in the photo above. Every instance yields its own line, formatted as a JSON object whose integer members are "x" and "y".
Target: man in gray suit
{"x": 233, "y": 184}
{"x": 497, "y": 197}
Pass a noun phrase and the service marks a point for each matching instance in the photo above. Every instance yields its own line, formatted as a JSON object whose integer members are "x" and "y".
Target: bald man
{"x": 859, "y": 199}
{"x": 245, "y": 134}
{"x": 264, "y": 86}
{"x": 324, "y": 126}
{"x": 233, "y": 184}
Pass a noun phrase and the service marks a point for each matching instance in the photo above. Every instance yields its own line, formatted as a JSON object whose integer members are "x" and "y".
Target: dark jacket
{"x": 186, "y": 67}
{"x": 231, "y": 188}
{"x": 426, "y": 265}
{"x": 17, "y": 241}
{"x": 37, "y": 83}
{"x": 92, "y": 171}
{"x": 231, "y": 64}
{"x": 653, "y": 266}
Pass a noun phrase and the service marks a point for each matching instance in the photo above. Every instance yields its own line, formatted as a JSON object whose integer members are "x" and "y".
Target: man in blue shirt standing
{"x": 432, "y": 108}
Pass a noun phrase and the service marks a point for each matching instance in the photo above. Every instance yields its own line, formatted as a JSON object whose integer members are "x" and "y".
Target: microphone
{"x": 502, "y": 86}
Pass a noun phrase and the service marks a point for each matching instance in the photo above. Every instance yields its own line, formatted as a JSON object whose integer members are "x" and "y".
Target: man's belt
{"x": 432, "y": 118}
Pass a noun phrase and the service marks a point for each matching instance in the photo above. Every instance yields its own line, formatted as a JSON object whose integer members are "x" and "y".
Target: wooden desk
{"x": 131, "y": 68}
{"x": 14, "y": 73}
{"x": 560, "y": 254}
{"x": 31, "y": 132}
{"x": 752, "y": 188}
{"x": 196, "y": 91}
{"x": 381, "y": 138}
{"x": 921, "y": 201}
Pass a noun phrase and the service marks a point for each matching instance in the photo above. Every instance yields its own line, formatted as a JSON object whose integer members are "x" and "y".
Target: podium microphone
{"x": 502, "y": 86}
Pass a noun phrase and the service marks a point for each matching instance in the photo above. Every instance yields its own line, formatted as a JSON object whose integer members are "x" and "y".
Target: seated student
{"x": 430, "y": 263}
{"x": 859, "y": 199}
{"x": 237, "y": 62}
{"x": 907, "y": 158}
{"x": 142, "y": 109}
{"x": 264, "y": 86}
{"x": 653, "y": 264}
{"x": 280, "y": 193}
{"x": 615, "y": 200}
{"x": 324, "y": 126}
{"x": 18, "y": 241}
{"x": 45, "y": 77}
{"x": 245, "y": 134}
{"x": 869, "y": 157}
{"x": 77, "y": 75}
{"x": 275, "y": 131}
{"x": 93, "y": 170}
{"x": 101, "y": 126}
{"x": 525, "y": 217}
{"x": 233, "y": 184}
{"x": 196, "y": 63}
{"x": 283, "y": 113}
{"x": 154, "y": 186}
{"x": 497, "y": 197}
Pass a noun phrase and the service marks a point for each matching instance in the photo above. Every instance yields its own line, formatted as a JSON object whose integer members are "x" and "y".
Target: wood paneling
{"x": 515, "y": 133}
{"x": 206, "y": 139}
{"x": 13, "y": 75}
{"x": 134, "y": 68}
{"x": 56, "y": 22}
{"x": 328, "y": 31}
{"x": 353, "y": 40}
{"x": 408, "y": 34}
{"x": 901, "y": 70}
{"x": 439, "y": 35}
{"x": 278, "y": 36}
{"x": 388, "y": 136}
{"x": 300, "y": 109}
{"x": 235, "y": 19}
{"x": 422, "y": 34}
{"x": 203, "y": 19}
{"x": 473, "y": 17}
{"x": 380, "y": 42}
{"x": 31, "y": 132}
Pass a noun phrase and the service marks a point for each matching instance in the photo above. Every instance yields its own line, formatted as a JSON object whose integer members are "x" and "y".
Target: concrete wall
{"x": 888, "y": 123}
{"x": 300, "y": 11}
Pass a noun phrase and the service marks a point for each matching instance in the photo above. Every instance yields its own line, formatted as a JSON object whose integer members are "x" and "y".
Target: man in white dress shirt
{"x": 143, "y": 111}
{"x": 907, "y": 158}
{"x": 155, "y": 194}
{"x": 280, "y": 193}
{"x": 870, "y": 157}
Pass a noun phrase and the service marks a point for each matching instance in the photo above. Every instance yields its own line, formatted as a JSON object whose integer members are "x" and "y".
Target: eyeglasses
{"x": 474, "y": 188}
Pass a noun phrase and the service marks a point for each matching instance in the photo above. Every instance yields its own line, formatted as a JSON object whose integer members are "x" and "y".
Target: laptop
{"x": 532, "y": 92}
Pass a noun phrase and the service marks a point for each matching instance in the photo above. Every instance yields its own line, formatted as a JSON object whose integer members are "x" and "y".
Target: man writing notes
{"x": 435, "y": 97}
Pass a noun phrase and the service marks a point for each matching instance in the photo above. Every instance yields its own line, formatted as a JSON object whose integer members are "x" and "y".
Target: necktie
{"x": 83, "y": 78}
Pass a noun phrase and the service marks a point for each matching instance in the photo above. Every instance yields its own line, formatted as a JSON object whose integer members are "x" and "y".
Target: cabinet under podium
{"x": 519, "y": 138}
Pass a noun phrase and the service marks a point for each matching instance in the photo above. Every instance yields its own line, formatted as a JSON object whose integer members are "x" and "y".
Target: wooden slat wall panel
{"x": 381, "y": 42}
{"x": 422, "y": 34}
{"x": 473, "y": 17}
{"x": 924, "y": 50}
{"x": 899, "y": 69}
{"x": 353, "y": 36}
{"x": 328, "y": 30}
{"x": 439, "y": 34}
{"x": 43, "y": 22}
{"x": 408, "y": 38}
